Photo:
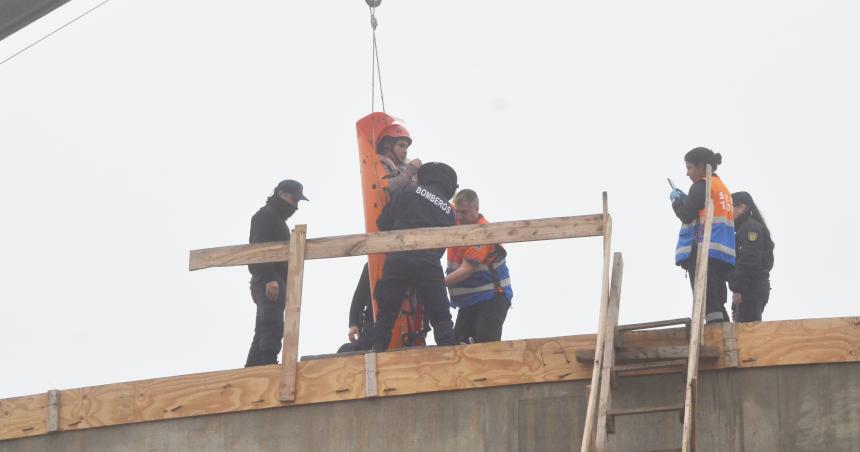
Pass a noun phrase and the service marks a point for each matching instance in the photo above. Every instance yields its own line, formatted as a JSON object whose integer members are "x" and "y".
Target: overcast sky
{"x": 148, "y": 129}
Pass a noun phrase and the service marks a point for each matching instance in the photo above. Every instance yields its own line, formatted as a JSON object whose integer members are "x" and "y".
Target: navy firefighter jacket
{"x": 417, "y": 206}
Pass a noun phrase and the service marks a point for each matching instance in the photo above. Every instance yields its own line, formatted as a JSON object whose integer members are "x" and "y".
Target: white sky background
{"x": 147, "y": 129}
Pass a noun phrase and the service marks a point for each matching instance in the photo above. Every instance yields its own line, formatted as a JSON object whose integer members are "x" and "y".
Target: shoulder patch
{"x": 752, "y": 236}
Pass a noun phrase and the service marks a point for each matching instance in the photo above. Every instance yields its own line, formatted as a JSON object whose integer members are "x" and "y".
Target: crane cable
{"x": 376, "y": 72}
{"x": 56, "y": 30}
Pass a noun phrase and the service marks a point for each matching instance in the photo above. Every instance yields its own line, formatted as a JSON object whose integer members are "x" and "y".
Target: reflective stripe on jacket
{"x": 722, "y": 232}
{"x": 491, "y": 275}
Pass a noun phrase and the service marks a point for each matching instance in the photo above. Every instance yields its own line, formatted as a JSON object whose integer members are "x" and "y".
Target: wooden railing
{"x": 300, "y": 248}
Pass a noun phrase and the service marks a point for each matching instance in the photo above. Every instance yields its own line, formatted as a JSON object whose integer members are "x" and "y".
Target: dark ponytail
{"x": 704, "y": 156}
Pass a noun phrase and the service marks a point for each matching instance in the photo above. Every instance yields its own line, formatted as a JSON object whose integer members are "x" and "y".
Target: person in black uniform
{"x": 269, "y": 281}
{"x": 360, "y": 316}
{"x": 750, "y": 279}
{"x": 421, "y": 206}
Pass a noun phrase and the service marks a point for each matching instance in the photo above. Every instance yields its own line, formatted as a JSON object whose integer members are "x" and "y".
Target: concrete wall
{"x": 801, "y": 408}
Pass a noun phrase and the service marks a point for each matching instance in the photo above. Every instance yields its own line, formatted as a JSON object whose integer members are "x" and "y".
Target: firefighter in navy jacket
{"x": 420, "y": 206}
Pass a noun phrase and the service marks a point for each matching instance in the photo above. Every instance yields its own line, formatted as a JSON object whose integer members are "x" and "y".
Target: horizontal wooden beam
{"x": 403, "y": 240}
{"x": 413, "y": 371}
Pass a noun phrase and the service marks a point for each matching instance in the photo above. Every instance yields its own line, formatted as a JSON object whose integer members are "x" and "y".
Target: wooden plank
{"x": 791, "y": 342}
{"x": 589, "y": 430}
{"x": 657, "y": 324}
{"x": 650, "y": 365}
{"x": 292, "y": 313}
{"x": 608, "y": 363}
{"x": 688, "y": 442}
{"x": 413, "y": 371}
{"x": 53, "y": 414}
{"x": 645, "y": 410}
{"x": 23, "y": 416}
{"x": 409, "y": 239}
{"x": 208, "y": 393}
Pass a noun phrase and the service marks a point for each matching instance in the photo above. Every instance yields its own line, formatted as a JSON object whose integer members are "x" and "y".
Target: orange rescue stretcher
{"x": 409, "y": 328}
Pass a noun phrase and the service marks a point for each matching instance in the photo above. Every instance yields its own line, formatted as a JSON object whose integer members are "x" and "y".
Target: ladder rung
{"x": 644, "y": 410}
{"x": 658, "y": 324}
{"x": 649, "y": 365}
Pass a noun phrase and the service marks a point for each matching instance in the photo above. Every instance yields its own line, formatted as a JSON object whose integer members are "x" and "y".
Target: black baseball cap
{"x": 292, "y": 186}
{"x": 742, "y": 197}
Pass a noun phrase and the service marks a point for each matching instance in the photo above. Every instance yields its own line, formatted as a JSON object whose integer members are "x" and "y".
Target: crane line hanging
{"x": 376, "y": 71}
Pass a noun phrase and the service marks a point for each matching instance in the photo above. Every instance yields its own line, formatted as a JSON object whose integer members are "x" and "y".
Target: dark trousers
{"x": 717, "y": 290}
{"x": 482, "y": 322}
{"x": 753, "y": 302}
{"x": 423, "y": 272}
{"x": 268, "y": 327}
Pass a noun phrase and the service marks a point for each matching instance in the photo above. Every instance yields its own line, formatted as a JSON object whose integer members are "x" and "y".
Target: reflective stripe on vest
{"x": 722, "y": 232}
{"x": 485, "y": 281}
{"x": 481, "y": 286}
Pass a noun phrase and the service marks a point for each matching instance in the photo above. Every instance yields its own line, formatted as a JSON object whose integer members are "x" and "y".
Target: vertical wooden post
{"x": 609, "y": 352}
{"x": 292, "y": 313}
{"x": 697, "y": 327}
{"x": 588, "y": 431}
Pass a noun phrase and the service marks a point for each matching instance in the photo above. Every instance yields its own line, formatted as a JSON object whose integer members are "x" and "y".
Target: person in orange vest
{"x": 478, "y": 280}
{"x": 392, "y": 146}
{"x": 690, "y": 209}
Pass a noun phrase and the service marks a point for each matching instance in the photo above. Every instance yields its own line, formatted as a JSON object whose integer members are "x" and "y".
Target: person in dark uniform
{"x": 420, "y": 206}
{"x": 691, "y": 211}
{"x": 360, "y": 316}
{"x": 750, "y": 279}
{"x": 269, "y": 281}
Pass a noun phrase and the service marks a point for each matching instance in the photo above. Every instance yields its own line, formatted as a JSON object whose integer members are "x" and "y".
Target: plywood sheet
{"x": 410, "y": 372}
{"x": 790, "y": 342}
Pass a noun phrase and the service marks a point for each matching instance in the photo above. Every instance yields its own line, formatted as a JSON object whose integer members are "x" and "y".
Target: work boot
{"x": 380, "y": 337}
{"x": 443, "y": 333}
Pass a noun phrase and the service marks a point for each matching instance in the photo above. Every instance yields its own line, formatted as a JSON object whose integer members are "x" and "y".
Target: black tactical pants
{"x": 482, "y": 322}
{"x": 717, "y": 291}
{"x": 753, "y": 301}
{"x": 423, "y": 272}
{"x": 269, "y": 325}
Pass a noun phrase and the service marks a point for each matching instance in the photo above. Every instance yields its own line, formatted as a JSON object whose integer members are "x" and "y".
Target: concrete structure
{"x": 787, "y": 408}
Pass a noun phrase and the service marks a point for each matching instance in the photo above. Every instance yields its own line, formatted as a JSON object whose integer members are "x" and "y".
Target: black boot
{"x": 380, "y": 337}
{"x": 443, "y": 332}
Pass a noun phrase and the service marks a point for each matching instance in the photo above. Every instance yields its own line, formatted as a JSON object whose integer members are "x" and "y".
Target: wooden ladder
{"x": 612, "y": 359}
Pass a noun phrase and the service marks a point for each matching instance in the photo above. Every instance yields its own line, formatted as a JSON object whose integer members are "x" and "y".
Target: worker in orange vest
{"x": 690, "y": 209}
{"x": 478, "y": 279}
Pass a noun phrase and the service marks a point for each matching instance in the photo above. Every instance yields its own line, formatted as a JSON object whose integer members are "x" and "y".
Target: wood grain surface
{"x": 410, "y": 239}
{"x": 413, "y": 371}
